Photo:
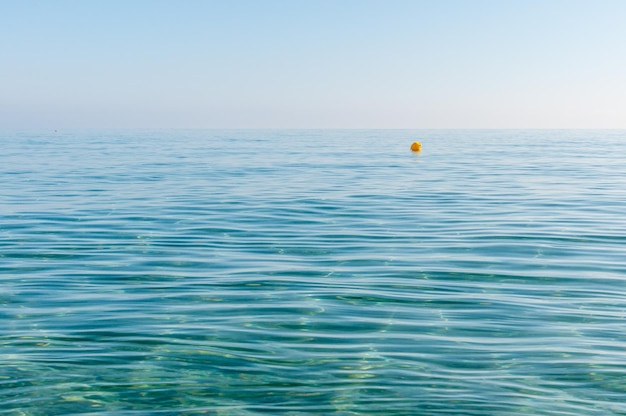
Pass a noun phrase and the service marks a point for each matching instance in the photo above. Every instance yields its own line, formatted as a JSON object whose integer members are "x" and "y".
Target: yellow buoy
{"x": 416, "y": 146}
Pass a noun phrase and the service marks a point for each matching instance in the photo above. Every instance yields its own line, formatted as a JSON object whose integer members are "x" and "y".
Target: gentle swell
{"x": 313, "y": 272}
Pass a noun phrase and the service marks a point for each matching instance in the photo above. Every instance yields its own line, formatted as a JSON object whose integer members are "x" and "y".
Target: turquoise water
{"x": 313, "y": 272}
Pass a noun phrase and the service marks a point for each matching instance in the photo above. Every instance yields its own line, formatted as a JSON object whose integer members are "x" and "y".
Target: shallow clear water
{"x": 313, "y": 272}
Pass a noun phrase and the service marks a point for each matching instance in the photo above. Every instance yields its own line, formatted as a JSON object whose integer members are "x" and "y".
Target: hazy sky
{"x": 313, "y": 64}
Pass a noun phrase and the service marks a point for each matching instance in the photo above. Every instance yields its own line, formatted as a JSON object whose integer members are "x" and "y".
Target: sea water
{"x": 188, "y": 272}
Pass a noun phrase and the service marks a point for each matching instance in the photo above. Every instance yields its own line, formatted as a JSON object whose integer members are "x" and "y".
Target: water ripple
{"x": 249, "y": 273}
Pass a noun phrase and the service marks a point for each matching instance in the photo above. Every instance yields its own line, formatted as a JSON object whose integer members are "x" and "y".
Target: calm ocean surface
{"x": 313, "y": 272}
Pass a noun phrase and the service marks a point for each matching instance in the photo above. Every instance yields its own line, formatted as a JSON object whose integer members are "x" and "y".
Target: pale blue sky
{"x": 313, "y": 64}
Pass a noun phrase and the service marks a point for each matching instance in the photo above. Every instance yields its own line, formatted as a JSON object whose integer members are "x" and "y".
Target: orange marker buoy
{"x": 416, "y": 146}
